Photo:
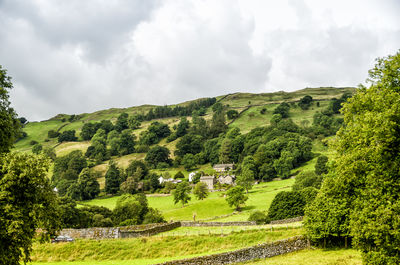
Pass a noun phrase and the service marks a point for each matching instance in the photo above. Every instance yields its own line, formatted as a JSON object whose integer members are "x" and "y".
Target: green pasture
{"x": 313, "y": 257}
{"x": 260, "y": 197}
{"x": 161, "y": 248}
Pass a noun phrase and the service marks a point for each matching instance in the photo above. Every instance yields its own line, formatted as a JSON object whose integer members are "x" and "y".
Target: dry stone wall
{"x": 286, "y": 221}
{"x": 197, "y": 224}
{"x": 92, "y": 233}
{"x": 149, "y": 231}
{"x": 256, "y": 252}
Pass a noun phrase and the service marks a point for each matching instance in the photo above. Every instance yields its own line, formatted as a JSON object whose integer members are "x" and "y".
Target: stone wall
{"x": 149, "y": 231}
{"x": 197, "y": 224}
{"x": 286, "y": 221}
{"x": 256, "y": 252}
{"x": 92, "y": 233}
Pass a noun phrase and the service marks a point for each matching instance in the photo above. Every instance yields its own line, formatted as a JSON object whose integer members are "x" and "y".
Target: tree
{"x": 113, "y": 178}
{"x": 282, "y": 109}
{"x": 189, "y": 162}
{"x": 156, "y": 155}
{"x": 189, "y": 144}
{"x": 122, "y": 122}
{"x": 27, "y": 203}
{"x": 246, "y": 179}
{"x": 320, "y": 166}
{"x": 182, "y": 127}
{"x": 130, "y": 209}
{"x": 37, "y": 148}
{"x": 307, "y": 179}
{"x": 129, "y": 185}
{"x": 305, "y": 102}
{"x": 126, "y": 143}
{"x": 181, "y": 193}
{"x": 286, "y": 204}
{"x": 88, "y": 185}
{"x": 179, "y": 175}
{"x": 67, "y": 136}
{"x": 232, "y": 114}
{"x": 9, "y": 124}
{"x": 366, "y": 185}
{"x": 200, "y": 191}
{"x": 236, "y": 197}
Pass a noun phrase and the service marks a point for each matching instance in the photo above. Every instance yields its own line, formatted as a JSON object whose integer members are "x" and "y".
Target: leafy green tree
{"x": 320, "y": 166}
{"x": 67, "y": 136}
{"x": 37, "y": 148}
{"x": 52, "y": 134}
{"x": 258, "y": 216}
{"x": 126, "y": 143}
{"x": 122, "y": 122}
{"x": 218, "y": 124}
{"x": 50, "y": 153}
{"x": 179, "y": 175}
{"x": 282, "y": 109}
{"x": 286, "y": 204}
{"x": 88, "y": 185}
{"x": 129, "y": 186}
{"x": 361, "y": 198}
{"x": 156, "y": 155}
{"x": 189, "y": 162}
{"x": 113, "y": 178}
{"x": 27, "y": 203}
{"x": 130, "y": 209}
{"x": 181, "y": 193}
{"x": 133, "y": 167}
{"x": 182, "y": 127}
{"x": 305, "y": 102}
{"x": 9, "y": 124}
{"x": 246, "y": 178}
{"x": 189, "y": 144}
{"x": 134, "y": 123}
{"x": 232, "y": 114}
{"x": 153, "y": 216}
{"x": 307, "y": 179}
{"x": 200, "y": 191}
{"x": 236, "y": 197}
{"x": 225, "y": 151}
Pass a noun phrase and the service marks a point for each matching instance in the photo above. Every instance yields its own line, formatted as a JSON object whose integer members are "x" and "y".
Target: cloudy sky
{"x": 74, "y": 56}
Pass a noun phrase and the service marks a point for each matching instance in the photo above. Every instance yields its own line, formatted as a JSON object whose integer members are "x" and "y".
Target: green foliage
{"x": 200, "y": 191}
{"x": 27, "y": 203}
{"x": 258, "y": 216}
{"x": 37, "y": 148}
{"x": 129, "y": 185}
{"x": 182, "y": 127}
{"x": 88, "y": 185}
{"x": 179, "y": 175}
{"x": 122, "y": 122}
{"x": 305, "y": 102}
{"x": 320, "y": 166}
{"x": 156, "y": 155}
{"x": 130, "y": 210}
{"x": 286, "y": 204}
{"x": 52, "y": 134}
{"x": 361, "y": 198}
{"x": 113, "y": 178}
{"x": 189, "y": 144}
{"x": 246, "y": 178}
{"x": 236, "y": 197}
{"x": 232, "y": 114}
{"x": 67, "y": 136}
{"x": 189, "y": 162}
{"x": 9, "y": 124}
{"x": 307, "y": 179}
{"x": 153, "y": 216}
{"x": 181, "y": 193}
{"x": 282, "y": 109}
{"x": 133, "y": 167}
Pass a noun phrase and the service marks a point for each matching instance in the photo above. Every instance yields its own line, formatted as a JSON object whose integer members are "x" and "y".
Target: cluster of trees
{"x": 198, "y": 107}
{"x": 129, "y": 210}
{"x": 359, "y": 197}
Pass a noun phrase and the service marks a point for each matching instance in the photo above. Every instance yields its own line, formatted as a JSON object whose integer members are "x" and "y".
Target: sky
{"x": 74, "y": 56}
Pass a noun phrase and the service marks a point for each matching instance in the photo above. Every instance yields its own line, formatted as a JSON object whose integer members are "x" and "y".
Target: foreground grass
{"x": 157, "y": 247}
{"x": 260, "y": 197}
{"x": 314, "y": 256}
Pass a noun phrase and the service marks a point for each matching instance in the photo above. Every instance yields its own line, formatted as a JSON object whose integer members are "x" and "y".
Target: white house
{"x": 191, "y": 176}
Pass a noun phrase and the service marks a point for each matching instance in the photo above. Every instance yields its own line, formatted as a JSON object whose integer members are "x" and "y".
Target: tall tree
{"x": 181, "y": 193}
{"x": 366, "y": 186}
{"x": 27, "y": 202}
{"x": 9, "y": 124}
{"x": 113, "y": 178}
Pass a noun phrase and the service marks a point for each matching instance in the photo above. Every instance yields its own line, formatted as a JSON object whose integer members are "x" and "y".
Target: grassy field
{"x": 158, "y": 247}
{"x": 260, "y": 197}
{"x": 313, "y": 257}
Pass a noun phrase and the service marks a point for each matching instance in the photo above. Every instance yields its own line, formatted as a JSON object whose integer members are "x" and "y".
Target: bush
{"x": 33, "y": 142}
{"x": 258, "y": 216}
{"x": 286, "y": 204}
{"x": 153, "y": 216}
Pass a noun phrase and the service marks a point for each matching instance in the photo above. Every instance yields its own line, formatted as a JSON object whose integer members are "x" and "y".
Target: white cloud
{"x": 81, "y": 56}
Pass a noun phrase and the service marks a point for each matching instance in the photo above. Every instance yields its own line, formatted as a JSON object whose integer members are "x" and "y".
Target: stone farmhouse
{"x": 209, "y": 181}
{"x": 223, "y": 167}
{"x": 230, "y": 179}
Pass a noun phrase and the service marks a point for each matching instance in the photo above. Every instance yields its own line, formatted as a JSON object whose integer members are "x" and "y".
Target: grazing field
{"x": 157, "y": 247}
{"x": 313, "y": 257}
{"x": 260, "y": 197}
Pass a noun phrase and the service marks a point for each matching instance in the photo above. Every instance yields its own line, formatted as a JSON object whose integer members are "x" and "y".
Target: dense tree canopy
{"x": 27, "y": 202}
{"x": 361, "y": 197}
{"x": 9, "y": 124}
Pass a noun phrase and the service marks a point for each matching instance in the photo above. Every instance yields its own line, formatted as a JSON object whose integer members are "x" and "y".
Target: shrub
{"x": 286, "y": 204}
{"x": 258, "y": 216}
